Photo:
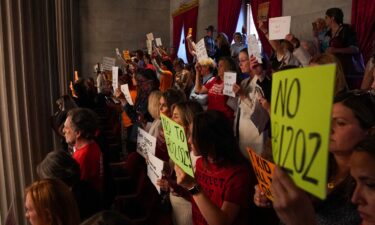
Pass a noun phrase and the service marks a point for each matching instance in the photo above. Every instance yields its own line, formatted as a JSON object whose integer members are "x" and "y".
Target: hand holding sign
{"x": 158, "y": 42}
{"x": 300, "y": 124}
{"x": 176, "y": 141}
{"x": 146, "y": 143}
{"x": 114, "y": 78}
{"x": 264, "y": 171}
{"x": 201, "y": 50}
{"x": 128, "y": 97}
{"x": 279, "y": 27}
{"x": 229, "y": 80}
{"x": 254, "y": 49}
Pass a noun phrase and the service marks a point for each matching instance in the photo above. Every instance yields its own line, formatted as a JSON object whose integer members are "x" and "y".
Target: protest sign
{"x": 114, "y": 77}
{"x": 279, "y": 27}
{"x": 229, "y": 80}
{"x": 263, "y": 11}
{"x": 125, "y": 90}
{"x": 158, "y": 42}
{"x": 150, "y": 36}
{"x": 154, "y": 169}
{"x": 176, "y": 141}
{"x": 108, "y": 63}
{"x": 300, "y": 124}
{"x": 263, "y": 171}
{"x": 145, "y": 143}
{"x": 201, "y": 51}
{"x": 149, "y": 46}
{"x": 254, "y": 48}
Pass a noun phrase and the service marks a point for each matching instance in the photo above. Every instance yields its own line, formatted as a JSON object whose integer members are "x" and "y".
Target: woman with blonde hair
{"x": 50, "y": 202}
{"x": 327, "y": 58}
{"x": 153, "y": 109}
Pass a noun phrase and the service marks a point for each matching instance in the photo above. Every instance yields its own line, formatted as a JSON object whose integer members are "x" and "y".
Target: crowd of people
{"x": 98, "y": 127}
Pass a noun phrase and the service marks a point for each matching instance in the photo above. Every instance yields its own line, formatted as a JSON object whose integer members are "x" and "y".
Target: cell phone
{"x": 190, "y": 31}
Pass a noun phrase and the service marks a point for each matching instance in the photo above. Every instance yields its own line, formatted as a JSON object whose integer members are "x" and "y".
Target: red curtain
{"x": 363, "y": 12}
{"x": 227, "y": 18}
{"x": 190, "y": 21}
{"x": 275, "y": 9}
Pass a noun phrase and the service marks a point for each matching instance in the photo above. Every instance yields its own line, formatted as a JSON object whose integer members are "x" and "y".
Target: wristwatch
{"x": 195, "y": 189}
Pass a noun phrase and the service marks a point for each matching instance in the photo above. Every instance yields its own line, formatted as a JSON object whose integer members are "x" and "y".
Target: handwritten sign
{"x": 263, "y": 11}
{"x": 254, "y": 48}
{"x": 263, "y": 171}
{"x": 108, "y": 63}
{"x": 158, "y": 42}
{"x": 125, "y": 90}
{"x": 279, "y": 27}
{"x": 149, "y": 46}
{"x": 150, "y": 36}
{"x": 176, "y": 141}
{"x": 300, "y": 124}
{"x": 229, "y": 80}
{"x": 115, "y": 77}
{"x": 145, "y": 143}
{"x": 154, "y": 169}
{"x": 201, "y": 50}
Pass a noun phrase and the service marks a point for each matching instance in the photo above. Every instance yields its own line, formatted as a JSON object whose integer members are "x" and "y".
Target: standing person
{"x": 343, "y": 43}
{"x": 79, "y": 130}
{"x": 353, "y": 119}
{"x": 204, "y": 72}
{"x": 362, "y": 169}
{"x": 219, "y": 191}
{"x": 165, "y": 74}
{"x": 210, "y": 42}
{"x": 237, "y": 46}
{"x": 50, "y": 202}
{"x": 60, "y": 165}
{"x": 251, "y": 122}
{"x": 215, "y": 88}
{"x": 222, "y": 46}
{"x": 182, "y": 75}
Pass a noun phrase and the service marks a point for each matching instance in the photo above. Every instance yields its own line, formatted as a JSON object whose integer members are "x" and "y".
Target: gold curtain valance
{"x": 185, "y": 7}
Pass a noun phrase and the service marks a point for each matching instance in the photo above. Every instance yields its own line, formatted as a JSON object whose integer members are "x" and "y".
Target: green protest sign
{"x": 301, "y": 110}
{"x": 176, "y": 141}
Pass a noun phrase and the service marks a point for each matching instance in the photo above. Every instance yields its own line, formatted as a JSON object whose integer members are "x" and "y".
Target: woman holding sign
{"x": 353, "y": 118}
{"x": 251, "y": 119}
{"x": 215, "y": 88}
{"x": 220, "y": 190}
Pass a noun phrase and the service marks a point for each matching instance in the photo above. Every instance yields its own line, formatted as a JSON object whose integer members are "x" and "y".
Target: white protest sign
{"x": 108, "y": 62}
{"x": 279, "y": 27}
{"x": 125, "y": 90}
{"x": 150, "y": 36}
{"x": 114, "y": 77}
{"x": 154, "y": 169}
{"x": 229, "y": 80}
{"x": 145, "y": 143}
{"x": 201, "y": 50}
{"x": 254, "y": 48}
{"x": 158, "y": 42}
{"x": 149, "y": 46}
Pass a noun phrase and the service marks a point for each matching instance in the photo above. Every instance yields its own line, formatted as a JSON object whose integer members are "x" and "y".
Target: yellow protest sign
{"x": 263, "y": 171}
{"x": 300, "y": 124}
{"x": 176, "y": 141}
